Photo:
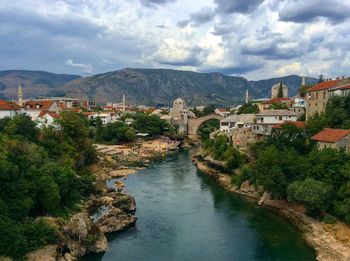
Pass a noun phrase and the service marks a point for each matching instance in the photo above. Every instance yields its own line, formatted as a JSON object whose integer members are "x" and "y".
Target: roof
{"x": 277, "y": 100}
{"x": 221, "y": 109}
{"x": 326, "y": 85}
{"x": 43, "y": 104}
{"x": 330, "y": 135}
{"x": 277, "y": 113}
{"x": 342, "y": 87}
{"x": 232, "y": 118}
{"x": 8, "y": 106}
{"x": 298, "y": 124}
{"x": 52, "y": 114}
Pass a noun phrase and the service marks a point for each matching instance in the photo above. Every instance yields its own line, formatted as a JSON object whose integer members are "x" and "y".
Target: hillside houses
{"x": 333, "y": 138}
{"x": 9, "y": 109}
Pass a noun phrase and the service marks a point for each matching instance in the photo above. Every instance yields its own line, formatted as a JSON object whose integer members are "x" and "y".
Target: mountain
{"x": 34, "y": 83}
{"x": 162, "y": 86}
{"x": 292, "y": 81}
{"x": 143, "y": 86}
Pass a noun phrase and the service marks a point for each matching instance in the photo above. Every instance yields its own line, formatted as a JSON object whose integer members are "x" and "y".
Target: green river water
{"x": 184, "y": 215}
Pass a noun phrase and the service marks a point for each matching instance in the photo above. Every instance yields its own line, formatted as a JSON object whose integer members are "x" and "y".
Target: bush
{"x": 329, "y": 219}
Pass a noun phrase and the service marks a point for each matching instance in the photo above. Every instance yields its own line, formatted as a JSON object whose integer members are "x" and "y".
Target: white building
{"x": 34, "y": 107}
{"x": 9, "y": 109}
{"x": 267, "y": 119}
{"x": 222, "y": 112}
{"x": 46, "y": 119}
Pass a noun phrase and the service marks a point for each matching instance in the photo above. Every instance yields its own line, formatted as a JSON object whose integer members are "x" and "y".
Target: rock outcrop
{"x": 82, "y": 236}
{"x": 115, "y": 220}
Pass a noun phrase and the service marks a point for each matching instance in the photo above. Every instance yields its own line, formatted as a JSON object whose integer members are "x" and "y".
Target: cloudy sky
{"x": 252, "y": 38}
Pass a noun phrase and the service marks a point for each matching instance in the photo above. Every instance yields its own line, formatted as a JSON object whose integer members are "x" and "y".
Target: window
{"x": 316, "y": 95}
{"x": 280, "y": 118}
{"x": 324, "y": 94}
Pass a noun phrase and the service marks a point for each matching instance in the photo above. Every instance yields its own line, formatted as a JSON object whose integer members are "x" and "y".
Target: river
{"x": 184, "y": 215}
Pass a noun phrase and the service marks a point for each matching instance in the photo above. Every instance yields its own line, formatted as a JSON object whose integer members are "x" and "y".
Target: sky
{"x": 256, "y": 39}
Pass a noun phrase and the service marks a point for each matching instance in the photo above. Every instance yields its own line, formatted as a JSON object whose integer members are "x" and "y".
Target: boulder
{"x": 245, "y": 186}
{"x": 115, "y": 220}
{"x": 125, "y": 202}
{"x": 83, "y": 236}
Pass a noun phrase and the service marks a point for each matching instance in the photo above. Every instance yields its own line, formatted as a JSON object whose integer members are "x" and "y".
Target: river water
{"x": 184, "y": 215}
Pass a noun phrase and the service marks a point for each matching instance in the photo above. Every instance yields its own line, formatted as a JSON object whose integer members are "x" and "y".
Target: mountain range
{"x": 143, "y": 86}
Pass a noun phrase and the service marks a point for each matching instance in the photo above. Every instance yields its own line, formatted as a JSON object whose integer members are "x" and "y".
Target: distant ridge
{"x": 145, "y": 86}
{"x": 35, "y": 83}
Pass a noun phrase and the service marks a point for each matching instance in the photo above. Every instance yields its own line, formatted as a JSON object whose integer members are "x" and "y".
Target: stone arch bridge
{"x": 193, "y": 124}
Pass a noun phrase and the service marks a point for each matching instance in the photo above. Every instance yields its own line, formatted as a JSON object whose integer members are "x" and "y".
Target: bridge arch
{"x": 193, "y": 124}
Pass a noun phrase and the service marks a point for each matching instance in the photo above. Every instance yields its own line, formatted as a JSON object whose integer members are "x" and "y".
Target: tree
{"x": 280, "y": 91}
{"x": 314, "y": 194}
{"x": 278, "y": 106}
{"x": 320, "y": 78}
{"x": 248, "y": 108}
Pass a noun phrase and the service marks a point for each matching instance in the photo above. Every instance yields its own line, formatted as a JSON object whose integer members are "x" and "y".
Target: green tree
{"x": 278, "y": 106}
{"x": 280, "y": 91}
{"x": 314, "y": 194}
{"x": 248, "y": 108}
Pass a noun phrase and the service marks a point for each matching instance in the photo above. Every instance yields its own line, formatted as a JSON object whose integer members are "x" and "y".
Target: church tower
{"x": 20, "y": 95}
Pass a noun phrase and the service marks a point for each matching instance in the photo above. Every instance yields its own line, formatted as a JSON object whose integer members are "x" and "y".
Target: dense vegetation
{"x": 289, "y": 165}
{"x": 208, "y": 127}
{"x": 209, "y": 109}
{"x": 119, "y": 132}
{"x": 220, "y": 149}
{"x": 42, "y": 173}
{"x": 248, "y": 108}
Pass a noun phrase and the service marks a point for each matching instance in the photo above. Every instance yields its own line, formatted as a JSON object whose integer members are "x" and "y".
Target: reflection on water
{"x": 183, "y": 215}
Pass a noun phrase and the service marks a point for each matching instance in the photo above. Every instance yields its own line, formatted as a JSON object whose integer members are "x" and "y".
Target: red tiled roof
{"x": 52, "y": 114}
{"x": 221, "y": 109}
{"x": 6, "y": 105}
{"x": 276, "y": 100}
{"x": 330, "y": 135}
{"x": 298, "y": 124}
{"x": 43, "y": 104}
{"x": 325, "y": 85}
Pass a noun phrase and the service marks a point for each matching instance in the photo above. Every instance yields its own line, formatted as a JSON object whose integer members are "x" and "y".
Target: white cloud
{"x": 258, "y": 39}
{"x": 87, "y": 68}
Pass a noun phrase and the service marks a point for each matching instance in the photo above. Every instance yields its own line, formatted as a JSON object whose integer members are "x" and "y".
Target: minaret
{"x": 246, "y": 96}
{"x": 303, "y": 82}
{"x": 20, "y": 95}
{"x": 123, "y": 102}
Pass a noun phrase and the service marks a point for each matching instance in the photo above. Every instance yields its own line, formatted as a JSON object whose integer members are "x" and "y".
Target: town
{"x": 242, "y": 124}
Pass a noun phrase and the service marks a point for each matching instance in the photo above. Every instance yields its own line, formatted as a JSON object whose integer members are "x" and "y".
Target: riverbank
{"x": 109, "y": 210}
{"x": 331, "y": 242}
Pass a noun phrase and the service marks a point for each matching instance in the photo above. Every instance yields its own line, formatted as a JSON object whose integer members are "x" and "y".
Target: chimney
{"x": 337, "y": 78}
{"x": 342, "y": 77}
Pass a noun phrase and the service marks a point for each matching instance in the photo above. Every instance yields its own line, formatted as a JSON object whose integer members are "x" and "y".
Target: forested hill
{"x": 143, "y": 86}
{"x": 34, "y": 83}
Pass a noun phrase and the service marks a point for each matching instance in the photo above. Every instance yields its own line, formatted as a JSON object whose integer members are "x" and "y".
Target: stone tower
{"x": 275, "y": 88}
{"x": 20, "y": 95}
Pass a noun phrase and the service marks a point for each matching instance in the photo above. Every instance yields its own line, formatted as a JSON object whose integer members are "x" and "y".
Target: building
{"x": 34, "y": 107}
{"x": 9, "y": 109}
{"x": 318, "y": 95}
{"x": 222, "y": 112}
{"x": 298, "y": 106}
{"x": 266, "y": 105}
{"x": 237, "y": 122}
{"x": 46, "y": 119}
{"x": 275, "y": 90}
{"x": 267, "y": 119}
{"x": 333, "y": 138}
{"x": 179, "y": 106}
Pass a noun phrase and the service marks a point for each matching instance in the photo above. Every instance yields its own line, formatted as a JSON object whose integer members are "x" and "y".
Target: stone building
{"x": 333, "y": 138}
{"x": 318, "y": 95}
{"x": 275, "y": 89}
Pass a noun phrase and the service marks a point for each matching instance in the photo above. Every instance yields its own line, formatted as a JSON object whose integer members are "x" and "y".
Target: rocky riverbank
{"x": 331, "y": 242}
{"x": 108, "y": 211}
